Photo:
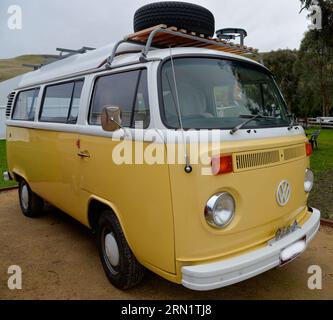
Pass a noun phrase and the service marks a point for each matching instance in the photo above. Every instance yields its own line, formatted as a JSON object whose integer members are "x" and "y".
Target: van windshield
{"x": 218, "y": 94}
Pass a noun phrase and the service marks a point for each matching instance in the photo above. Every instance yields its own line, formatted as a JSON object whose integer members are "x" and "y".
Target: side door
{"x": 138, "y": 193}
{"x": 56, "y": 174}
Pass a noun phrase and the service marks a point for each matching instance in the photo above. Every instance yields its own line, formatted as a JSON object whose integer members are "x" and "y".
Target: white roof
{"x": 94, "y": 59}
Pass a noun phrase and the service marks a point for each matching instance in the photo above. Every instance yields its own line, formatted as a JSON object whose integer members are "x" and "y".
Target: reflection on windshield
{"x": 215, "y": 93}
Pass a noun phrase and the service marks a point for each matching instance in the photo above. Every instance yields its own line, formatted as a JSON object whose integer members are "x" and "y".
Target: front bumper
{"x": 224, "y": 273}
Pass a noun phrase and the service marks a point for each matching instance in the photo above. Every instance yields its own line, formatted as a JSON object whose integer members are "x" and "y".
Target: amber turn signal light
{"x": 308, "y": 148}
{"x": 222, "y": 165}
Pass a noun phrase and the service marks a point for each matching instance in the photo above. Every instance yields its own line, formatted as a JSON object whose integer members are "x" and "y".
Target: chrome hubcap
{"x": 25, "y": 197}
{"x": 111, "y": 249}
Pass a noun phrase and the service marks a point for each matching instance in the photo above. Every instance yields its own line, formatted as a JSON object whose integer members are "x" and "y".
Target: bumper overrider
{"x": 227, "y": 272}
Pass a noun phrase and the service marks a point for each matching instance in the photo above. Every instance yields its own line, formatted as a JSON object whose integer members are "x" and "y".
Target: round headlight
{"x": 220, "y": 210}
{"x": 308, "y": 181}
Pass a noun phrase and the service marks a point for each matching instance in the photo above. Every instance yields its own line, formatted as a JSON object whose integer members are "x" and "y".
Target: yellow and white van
{"x": 184, "y": 161}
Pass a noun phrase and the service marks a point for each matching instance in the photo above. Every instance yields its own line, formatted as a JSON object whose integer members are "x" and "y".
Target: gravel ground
{"x": 59, "y": 261}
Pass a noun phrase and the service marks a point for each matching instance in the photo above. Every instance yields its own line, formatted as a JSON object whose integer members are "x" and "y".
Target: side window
{"x": 141, "y": 111}
{"x": 61, "y": 102}
{"x": 25, "y": 106}
{"x": 128, "y": 91}
{"x": 76, "y": 102}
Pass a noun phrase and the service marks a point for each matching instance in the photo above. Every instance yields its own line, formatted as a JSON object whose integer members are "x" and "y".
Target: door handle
{"x": 83, "y": 154}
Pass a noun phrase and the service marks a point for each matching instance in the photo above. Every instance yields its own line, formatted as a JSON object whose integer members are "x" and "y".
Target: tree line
{"x": 305, "y": 76}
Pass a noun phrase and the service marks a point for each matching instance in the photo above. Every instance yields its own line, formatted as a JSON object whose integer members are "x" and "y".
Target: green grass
{"x": 322, "y": 158}
{"x": 10, "y": 68}
{"x": 3, "y": 166}
{"x": 321, "y": 196}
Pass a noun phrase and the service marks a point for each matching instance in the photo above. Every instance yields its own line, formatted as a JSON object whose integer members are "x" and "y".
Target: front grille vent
{"x": 294, "y": 152}
{"x": 257, "y": 159}
{"x": 266, "y": 158}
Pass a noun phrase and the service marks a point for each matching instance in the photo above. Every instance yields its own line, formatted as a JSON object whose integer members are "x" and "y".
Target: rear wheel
{"x": 31, "y": 204}
{"x": 120, "y": 265}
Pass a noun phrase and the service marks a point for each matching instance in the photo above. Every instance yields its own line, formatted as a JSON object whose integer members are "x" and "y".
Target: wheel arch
{"x": 96, "y": 206}
{"x": 18, "y": 176}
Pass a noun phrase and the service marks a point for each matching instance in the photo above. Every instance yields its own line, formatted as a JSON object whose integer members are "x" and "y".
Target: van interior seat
{"x": 192, "y": 101}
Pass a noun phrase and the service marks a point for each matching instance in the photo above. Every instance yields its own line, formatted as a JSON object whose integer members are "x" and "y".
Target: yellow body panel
{"x": 258, "y": 214}
{"x": 48, "y": 161}
{"x": 160, "y": 207}
{"x": 139, "y": 195}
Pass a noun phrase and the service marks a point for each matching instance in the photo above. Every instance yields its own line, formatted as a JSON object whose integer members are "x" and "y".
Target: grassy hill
{"x": 10, "y": 68}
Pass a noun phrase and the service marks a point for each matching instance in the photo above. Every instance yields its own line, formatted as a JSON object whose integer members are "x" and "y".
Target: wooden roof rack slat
{"x": 145, "y": 31}
{"x": 163, "y": 36}
{"x": 178, "y": 33}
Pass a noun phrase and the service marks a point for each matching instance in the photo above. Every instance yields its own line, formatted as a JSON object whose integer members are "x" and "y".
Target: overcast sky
{"x": 47, "y": 24}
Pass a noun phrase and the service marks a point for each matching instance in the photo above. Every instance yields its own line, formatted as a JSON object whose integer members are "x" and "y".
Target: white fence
{"x": 325, "y": 123}
{"x": 2, "y": 123}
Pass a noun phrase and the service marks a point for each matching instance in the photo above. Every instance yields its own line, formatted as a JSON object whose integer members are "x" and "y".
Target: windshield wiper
{"x": 292, "y": 122}
{"x": 251, "y": 118}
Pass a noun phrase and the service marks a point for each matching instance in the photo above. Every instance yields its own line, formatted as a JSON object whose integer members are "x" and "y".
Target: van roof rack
{"x": 232, "y": 34}
{"x": 73, "y": 51}
{"x": 162, "y": 36}
{"x": 33, "y": 66}
{"x": 61, "y": 56}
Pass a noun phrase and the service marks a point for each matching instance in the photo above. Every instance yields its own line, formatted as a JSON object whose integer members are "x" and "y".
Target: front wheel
{"x": 120, "y": 265}
{"x": 31, "y": 204}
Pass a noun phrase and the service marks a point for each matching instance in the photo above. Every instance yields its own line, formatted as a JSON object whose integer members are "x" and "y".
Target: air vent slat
{"x": 10, "y": 104}
{"x": 294, "y": 152}
{"x": 260, "y": 159}
{"x": 257, "y": 159}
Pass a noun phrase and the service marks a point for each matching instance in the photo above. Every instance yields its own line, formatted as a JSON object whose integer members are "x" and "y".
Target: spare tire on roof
{"x": 175, "y": 14}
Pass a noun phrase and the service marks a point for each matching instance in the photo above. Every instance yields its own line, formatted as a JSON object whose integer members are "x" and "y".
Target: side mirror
{"x": 111, "y": 118}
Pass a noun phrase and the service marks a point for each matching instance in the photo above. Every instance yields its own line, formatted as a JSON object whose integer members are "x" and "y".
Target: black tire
{"x": 128, "y": 272}
{"x": 177, "y": 14}
{"x": 31, "y": 204}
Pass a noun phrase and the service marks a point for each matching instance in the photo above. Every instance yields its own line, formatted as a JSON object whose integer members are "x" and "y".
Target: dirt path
{"x": 59, "y": 261}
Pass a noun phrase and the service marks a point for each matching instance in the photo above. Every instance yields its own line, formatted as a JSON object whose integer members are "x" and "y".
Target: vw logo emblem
{"x": 283, "y": 193}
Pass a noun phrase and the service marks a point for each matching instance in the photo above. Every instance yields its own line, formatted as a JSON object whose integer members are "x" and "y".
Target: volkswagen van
{"x": 183, "y": 160}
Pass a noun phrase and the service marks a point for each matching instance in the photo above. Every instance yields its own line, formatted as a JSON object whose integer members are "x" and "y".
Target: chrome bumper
{"x": 227, "y": 272}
